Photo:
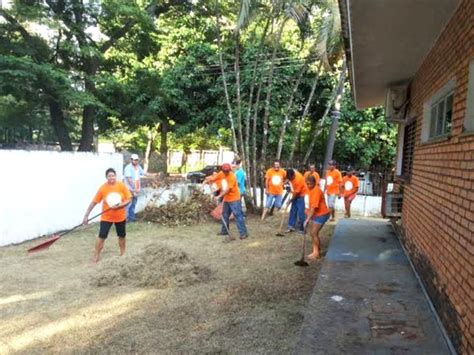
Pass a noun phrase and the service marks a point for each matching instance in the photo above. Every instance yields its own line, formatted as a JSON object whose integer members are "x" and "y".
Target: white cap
{"x": 134, "y": 157}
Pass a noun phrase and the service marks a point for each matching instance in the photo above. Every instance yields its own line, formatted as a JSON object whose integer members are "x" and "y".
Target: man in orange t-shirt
{"x": 312, "y": 171}
{"x": 317, "y": 213}
{"x": 231, "y": 196}
{"x": 274, "y": 180}
{"x": 349, "y": 187}
{"x": 298, "y": 191}
{"x": 114, "y": 196}
{"x": 332, "y": 188}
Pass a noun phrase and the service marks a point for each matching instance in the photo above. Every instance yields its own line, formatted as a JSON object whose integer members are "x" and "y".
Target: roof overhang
{"x": 387, "y": 40}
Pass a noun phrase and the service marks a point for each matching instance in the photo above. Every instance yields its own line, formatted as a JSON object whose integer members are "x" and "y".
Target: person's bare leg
{"x": 265, "y": 210}
{"x": 347, "y": 207}
{"x": 99, "y": 245}
{"x": 333, "y": 214}
{"x": 316, "y": 254}
{"x": 121, "y": 243}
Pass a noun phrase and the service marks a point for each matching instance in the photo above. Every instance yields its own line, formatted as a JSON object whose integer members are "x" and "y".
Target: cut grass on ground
{"x": 177, "y": 290}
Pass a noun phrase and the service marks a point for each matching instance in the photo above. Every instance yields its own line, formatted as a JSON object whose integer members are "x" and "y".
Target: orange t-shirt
{"x": 298, "y": 185}
{"x": 350, "y": 185}
{"x": 315, "y": 199}
{"x": 117, "y": 192}
{"x": 333, "y": 181}
{"x": 275, "y": 180}
{"x": 229, "y": 183}
{"x": 315, "y": 174}
{"x": 217, "y": 185}
{"x": 219, "y": 176}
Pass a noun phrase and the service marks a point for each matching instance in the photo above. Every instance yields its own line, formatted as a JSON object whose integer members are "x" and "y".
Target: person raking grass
{"x": 114, "y": 196}
{"x": 317, "y": 214}
{"x": 231, "y": 196}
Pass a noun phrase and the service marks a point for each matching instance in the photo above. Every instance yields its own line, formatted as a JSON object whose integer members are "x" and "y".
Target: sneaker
{"x": 245, "y": 236}
{"x": 221, "y": 234}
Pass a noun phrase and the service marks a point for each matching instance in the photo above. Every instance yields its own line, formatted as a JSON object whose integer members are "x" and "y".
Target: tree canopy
{"x": 259, "y": 76}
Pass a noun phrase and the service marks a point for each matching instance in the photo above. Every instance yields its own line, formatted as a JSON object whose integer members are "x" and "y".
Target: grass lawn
{"x": 176, "y": 290}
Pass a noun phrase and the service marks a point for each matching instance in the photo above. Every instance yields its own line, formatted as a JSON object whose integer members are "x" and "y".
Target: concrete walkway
{"x": 367, "y": 299}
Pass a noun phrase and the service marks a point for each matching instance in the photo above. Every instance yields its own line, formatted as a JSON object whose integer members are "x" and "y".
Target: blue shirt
{"x": 240, "y": 175}
{"x": 135, "y": 173}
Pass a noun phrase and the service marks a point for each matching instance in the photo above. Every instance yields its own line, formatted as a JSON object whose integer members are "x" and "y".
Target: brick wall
{"x": 438, "y": 206}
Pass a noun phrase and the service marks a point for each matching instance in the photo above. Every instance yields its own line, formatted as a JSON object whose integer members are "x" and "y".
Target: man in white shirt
{"x": 132, "y": 175}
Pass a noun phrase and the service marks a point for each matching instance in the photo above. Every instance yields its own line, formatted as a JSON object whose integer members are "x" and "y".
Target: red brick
{"x": 438, "y": 210}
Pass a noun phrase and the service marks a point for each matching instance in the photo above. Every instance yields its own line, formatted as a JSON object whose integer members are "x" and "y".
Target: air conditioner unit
{"x": 396, "y": 103}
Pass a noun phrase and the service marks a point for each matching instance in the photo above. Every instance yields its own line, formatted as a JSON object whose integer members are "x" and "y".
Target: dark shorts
{"x": 105, "y": 228}
{"x": 321, "y": 219}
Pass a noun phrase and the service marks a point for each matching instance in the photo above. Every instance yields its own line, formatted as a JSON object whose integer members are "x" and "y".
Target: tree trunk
{"x": 239, "y": 104}
{"x": 149, "y": 145}
{"x": 266, "y": 114}
{"x": 337, "y": 89}
{"x": 88, "y": 114}
{"x": 254, "y": 141}
{"x": 87, "y": 131}
{"x": 247, "y": 163}
{"x": 224, "y": 81}
{"x": 289, "y": 109}
{"x": 334, "y": 125}
{"x": 299, "y": 126}
{"x": 164, "y": 147}
{"x": 59, "y": 126}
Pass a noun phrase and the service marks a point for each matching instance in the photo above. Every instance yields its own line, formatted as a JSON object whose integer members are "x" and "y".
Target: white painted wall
{"x": 44, "y": 191}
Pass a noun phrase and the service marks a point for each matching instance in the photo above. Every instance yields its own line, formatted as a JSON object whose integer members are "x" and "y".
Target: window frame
{"x": 468, "y": 125}
{"x": 431, "y": 107}
{"x": 435, "y": 131}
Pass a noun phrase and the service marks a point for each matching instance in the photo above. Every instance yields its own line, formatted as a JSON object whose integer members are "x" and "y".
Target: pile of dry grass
{"x": 196, "y": 208}
{"x": 156, "y": 266}
{"x": 158, "y": 182}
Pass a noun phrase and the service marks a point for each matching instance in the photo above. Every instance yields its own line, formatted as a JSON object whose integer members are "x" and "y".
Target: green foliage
{"x": 143, "y": 64}
{"x": 364, "y": 138}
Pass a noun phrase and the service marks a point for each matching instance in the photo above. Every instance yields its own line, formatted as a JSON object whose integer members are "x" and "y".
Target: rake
{"x": 54, "y": 237}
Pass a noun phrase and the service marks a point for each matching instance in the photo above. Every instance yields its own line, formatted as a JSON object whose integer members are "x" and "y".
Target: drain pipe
{"x": 451, "y": 348}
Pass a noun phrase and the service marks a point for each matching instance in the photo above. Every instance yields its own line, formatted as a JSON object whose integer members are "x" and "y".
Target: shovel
{"x": 283, "y": 212}
{"x": 302, "y": 262}
{"x": 48, "y": 242}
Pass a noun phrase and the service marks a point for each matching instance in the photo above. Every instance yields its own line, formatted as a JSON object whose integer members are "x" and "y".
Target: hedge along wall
{"x": 44, "y": 192}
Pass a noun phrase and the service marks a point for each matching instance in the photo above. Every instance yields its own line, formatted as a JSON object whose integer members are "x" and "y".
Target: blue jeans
{"x": 275, "y": 200}
{"x": 234, "y": 207}
{"x": 297, "y": 213}
{"x": 131, "y": 210}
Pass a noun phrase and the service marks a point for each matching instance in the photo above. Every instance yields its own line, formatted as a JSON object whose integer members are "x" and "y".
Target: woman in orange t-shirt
{"x": 350, "y": 186}
{"x": 114, "y": 196}
{"x": 317, "y": 213}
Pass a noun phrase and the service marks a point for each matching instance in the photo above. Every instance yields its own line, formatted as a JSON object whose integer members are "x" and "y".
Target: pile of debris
{"x": 158, "y": 182}
{"x": 156, "y": 266}
{"x": 196, "y": 208}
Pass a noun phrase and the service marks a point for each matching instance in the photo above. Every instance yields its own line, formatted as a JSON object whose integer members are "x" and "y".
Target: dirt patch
{"x": 156, "y": 266}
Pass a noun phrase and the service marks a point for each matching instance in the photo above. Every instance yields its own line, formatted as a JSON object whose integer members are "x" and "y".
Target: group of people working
{"x": 308, "y": 203}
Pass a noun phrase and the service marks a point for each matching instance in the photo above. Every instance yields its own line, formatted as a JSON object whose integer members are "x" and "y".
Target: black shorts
{"x": 105, "y": 228}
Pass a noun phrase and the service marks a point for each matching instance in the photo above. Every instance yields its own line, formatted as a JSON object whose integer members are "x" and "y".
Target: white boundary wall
{"x": 44, "y": 191}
